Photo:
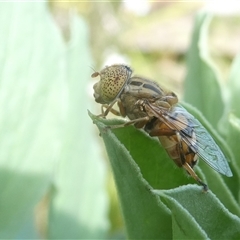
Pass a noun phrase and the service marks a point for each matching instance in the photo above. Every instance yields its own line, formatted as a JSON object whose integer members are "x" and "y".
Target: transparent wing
{"x": 197, "y": 138}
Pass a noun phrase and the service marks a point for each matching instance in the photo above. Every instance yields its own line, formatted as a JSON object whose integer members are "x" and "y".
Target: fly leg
{"x": 112, "y": 110}
{"x": 138, "y": 123}
{"x": 195, "y": 176}
{"x": 187, "y": 167}
{"x": 179, "y": 153}
{"x": 109, "y": 108}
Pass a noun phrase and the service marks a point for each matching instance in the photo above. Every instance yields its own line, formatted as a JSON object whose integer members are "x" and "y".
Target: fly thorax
{"x": 131, "y": 108}
{"x": 143, "y": 88}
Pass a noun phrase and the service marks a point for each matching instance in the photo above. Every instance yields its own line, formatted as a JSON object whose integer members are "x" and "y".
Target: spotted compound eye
{"x": 112, "y": 81}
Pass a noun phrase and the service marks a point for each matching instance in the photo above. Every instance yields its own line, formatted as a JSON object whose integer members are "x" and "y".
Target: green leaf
{"x": 29, "y": 117}
{"x": 234, "y": 136}
{"x": 153, "y": 165}
{"x": 233, "y": 87}
{"x": 231, "y": 122}
{"x": 233, "y": 139}
{"x": 46, "y": 136}
{"x": 225, "y": 188}
{"x": 183, "y": 223}
{"x": 144, "y": 215}
{"x": 207, "y": 213}
{"x": 202, "y": 84}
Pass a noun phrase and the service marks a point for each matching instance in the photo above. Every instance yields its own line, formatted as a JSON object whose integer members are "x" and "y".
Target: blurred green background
{"x": 55, "y": 180}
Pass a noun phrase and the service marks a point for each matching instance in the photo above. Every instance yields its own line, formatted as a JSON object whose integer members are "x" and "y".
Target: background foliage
{"x": 45, "y": 154}
{"x": 55, "y": 181}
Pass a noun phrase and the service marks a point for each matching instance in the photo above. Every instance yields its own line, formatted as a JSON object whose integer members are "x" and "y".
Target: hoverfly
{"x": 155, "y": 110}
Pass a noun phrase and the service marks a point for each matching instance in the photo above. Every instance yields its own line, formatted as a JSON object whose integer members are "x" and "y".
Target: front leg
{"x": 109, "y": 108}
{"x": 112, "y": 110}
{"x": 138, "y": 123}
